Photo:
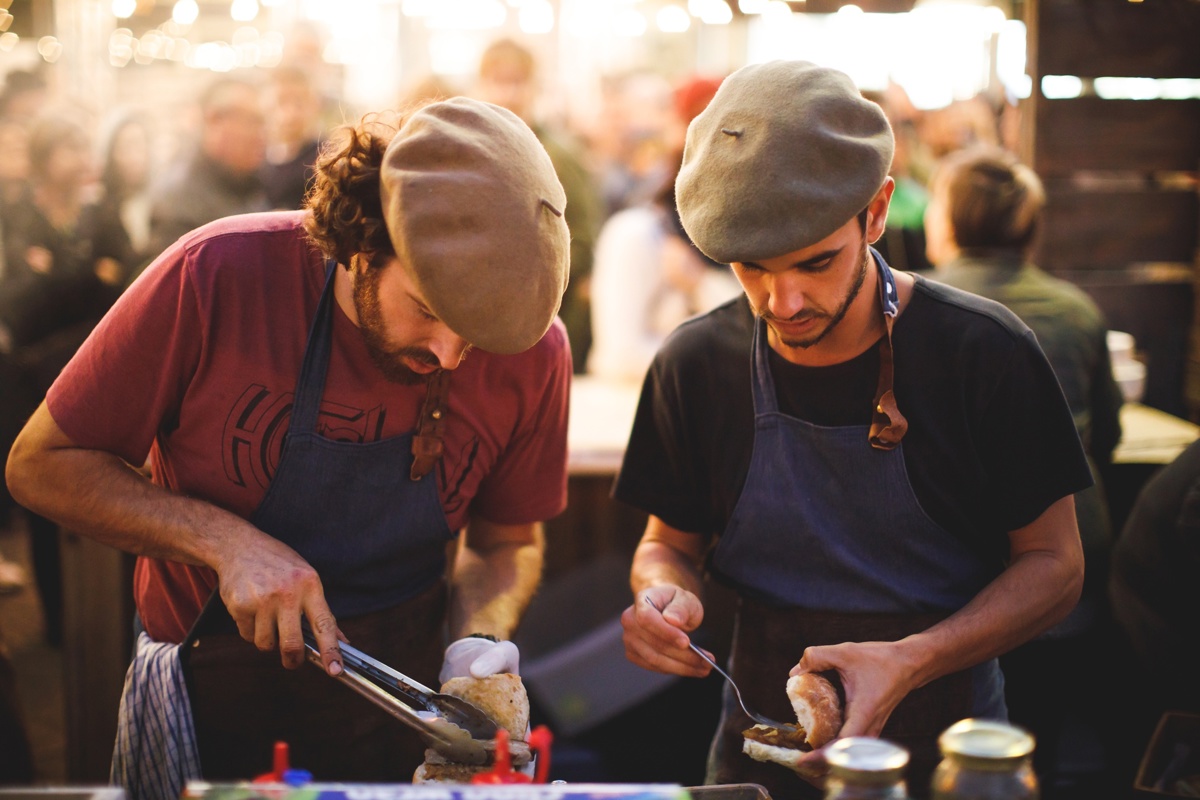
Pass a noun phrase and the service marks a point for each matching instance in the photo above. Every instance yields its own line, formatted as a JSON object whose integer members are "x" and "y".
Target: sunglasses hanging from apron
{"x": 368, "y": 518}
{"x": 828, "y": 544}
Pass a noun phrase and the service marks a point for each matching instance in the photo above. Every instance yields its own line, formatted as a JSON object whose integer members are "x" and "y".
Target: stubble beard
{"x": 835, "y": 317}
{"x": 370, "y": 324}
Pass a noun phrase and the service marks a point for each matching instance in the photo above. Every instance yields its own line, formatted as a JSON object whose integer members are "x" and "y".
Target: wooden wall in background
{"x": 1122, "y": 216}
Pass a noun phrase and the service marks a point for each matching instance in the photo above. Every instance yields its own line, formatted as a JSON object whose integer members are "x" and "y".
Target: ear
{"x": 877, "y": 210}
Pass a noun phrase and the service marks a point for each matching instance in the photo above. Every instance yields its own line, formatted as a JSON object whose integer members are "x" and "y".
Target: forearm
{"x": 1037, "y": 590}
{"x": 98, "y": 495}
{"x": 667, "y": 557}
{"x": 496, "y": 572}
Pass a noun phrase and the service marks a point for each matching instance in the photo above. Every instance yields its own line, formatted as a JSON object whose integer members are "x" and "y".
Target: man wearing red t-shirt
{"x": 318, "y": 437}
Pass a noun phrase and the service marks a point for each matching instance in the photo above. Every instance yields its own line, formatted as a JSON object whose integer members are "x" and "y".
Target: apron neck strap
{"x": 427, "y": 442}
{"x": 888, "y": 425}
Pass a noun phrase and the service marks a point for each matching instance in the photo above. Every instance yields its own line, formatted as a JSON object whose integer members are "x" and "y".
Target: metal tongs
{"x": 450, "y": 725}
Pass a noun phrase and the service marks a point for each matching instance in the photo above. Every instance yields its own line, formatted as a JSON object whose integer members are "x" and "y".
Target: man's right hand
{"x": 266, "y": 586}
{"x": 658, "y": 640}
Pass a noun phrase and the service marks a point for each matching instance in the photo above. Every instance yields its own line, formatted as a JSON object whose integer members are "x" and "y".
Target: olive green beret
{"x": 475, "y": 213}
{"x": 786, "y": 153}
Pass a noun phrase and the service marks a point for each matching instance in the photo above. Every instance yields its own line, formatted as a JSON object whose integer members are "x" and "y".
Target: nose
{"x": 449, "y": 348}
{"x": 785, "y": 295}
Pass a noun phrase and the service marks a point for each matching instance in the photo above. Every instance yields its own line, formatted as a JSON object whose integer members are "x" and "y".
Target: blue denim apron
{"x": 829, "y": 544}
{"x": 369, "y": 519}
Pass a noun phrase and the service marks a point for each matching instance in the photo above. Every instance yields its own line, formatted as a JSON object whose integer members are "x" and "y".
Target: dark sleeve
{"x": 658, "y": 474}
{"x": 1030, "y": 449}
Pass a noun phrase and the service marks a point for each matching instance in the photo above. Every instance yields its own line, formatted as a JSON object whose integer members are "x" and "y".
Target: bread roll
{"x": 502, "y": 697}
{"x": 447, "y": 773}
{"x": 817, "y": 706}
{"x": 818, "y": 714}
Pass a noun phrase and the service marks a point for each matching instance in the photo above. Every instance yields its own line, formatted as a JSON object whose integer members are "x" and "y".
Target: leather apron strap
{"x": 888, "y": 425}
{"x": 427, "y": 444}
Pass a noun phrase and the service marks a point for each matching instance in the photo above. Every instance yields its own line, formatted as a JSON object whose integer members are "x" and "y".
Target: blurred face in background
{"x": 67, "y": 165}
{"x": 14, "y": 152}
{"x": 509, "y": 83}
{"x": 292, "y": 109}
{"x": 235, "y": 129}
{"x": 130, "y": 155}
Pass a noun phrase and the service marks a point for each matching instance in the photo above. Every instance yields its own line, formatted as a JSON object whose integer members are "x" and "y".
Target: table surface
{"x": 602, "y": 416}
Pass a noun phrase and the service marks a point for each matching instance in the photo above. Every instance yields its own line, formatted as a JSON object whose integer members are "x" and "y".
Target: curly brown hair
{"x": 345, "y": 211}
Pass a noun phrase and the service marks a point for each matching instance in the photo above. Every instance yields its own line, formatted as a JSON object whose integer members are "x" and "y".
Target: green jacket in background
{"x": 584, "y": 216}
{"x": 1072, "y": 333}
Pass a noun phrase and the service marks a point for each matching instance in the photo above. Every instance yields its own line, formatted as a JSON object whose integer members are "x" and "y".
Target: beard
{"x": 387, "y": 357}
{"x": 864, "y": 260}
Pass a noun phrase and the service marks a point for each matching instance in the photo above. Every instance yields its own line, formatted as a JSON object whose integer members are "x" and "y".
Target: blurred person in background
{"x": 629, "y": 138}
{"x": 294, "y": 128}
{"x": 123, "y": 210}
{"x": 508, "y": 78}
{"x": 14, "y": 186}
{"x": 16, "y": 756}
{"x": 14, "y": 166}
{"x": 903, "y": 241}
{"x": 648, "y": 276}
{"x": 222, "y": 176}
{"x": 56, "y": 289}
{"x": 984, "y": 212}
{"x": 1154, "y": 592}
{"x": 24, "y": 95}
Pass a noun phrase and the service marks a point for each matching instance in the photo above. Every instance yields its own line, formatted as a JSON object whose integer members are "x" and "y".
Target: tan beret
{"x": 785, "y": 154}
{"x": 475, "y": 213}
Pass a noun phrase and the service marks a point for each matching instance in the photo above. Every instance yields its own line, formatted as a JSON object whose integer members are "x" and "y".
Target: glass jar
{"x": 985, "y": 760}
{"x": 862, "y": 768}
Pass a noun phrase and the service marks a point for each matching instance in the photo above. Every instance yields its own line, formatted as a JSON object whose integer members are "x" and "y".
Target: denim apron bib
{"x": 369, "y": 519}
{"x": 828, "y": 544}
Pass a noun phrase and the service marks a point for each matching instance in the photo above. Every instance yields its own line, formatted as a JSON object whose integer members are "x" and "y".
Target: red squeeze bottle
{"x": 279, "y": 765}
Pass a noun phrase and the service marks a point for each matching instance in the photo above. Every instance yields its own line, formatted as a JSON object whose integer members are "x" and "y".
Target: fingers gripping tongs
{"x": 450, "y": 725}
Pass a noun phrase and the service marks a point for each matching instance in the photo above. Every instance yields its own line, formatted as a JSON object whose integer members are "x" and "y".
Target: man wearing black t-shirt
{"x": 886, "y": 465}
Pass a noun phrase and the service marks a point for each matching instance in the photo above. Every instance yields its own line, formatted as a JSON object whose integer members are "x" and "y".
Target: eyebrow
{"x": 806, "y": 263}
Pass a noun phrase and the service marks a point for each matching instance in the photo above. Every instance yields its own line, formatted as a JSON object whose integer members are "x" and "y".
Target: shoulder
{"x": 248, "y": 236}
{"x": 946, "y": 309}
{"x": 727, "y": 329}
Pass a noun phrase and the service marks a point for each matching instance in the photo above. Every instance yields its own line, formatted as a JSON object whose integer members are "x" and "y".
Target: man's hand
{"x": 657, "y": 640}
{"x": 875, "y": 677}
{"x": 266, "y": 586}
{"x": 479, "y": 658}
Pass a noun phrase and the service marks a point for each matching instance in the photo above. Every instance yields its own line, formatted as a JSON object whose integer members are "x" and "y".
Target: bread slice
{"x": 786, "y": 756}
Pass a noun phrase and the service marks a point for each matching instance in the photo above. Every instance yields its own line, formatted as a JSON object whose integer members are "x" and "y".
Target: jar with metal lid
{"x": 862, "y": 768}
{"x": 985, "y": 760}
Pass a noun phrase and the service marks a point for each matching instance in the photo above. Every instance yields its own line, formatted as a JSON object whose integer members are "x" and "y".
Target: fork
{"x": 783, "y": 727}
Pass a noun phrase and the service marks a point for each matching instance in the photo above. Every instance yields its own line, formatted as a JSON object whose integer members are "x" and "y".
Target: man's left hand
{"x": 479, "y": 658}
{"x": 875, "y": 677}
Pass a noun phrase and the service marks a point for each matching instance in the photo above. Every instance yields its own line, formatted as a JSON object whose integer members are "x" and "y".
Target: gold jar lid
{"x": 984, "y": 741}
{"x": 866, "y": 759}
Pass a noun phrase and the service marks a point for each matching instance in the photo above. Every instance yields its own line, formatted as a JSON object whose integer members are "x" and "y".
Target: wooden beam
{"x": 1096, "y": 38}
{"x": 1088, "y": 133}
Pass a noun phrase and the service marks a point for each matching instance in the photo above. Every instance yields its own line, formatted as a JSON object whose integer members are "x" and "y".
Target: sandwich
{"x": 818, "y": 715}
{"x": 503, "y": 699}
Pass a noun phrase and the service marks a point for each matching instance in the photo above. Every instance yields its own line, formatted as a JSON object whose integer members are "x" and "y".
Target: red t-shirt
{"x": 196, "y": 365}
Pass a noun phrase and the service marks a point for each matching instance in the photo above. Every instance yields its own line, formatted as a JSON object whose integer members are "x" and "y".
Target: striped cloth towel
{"x": 155, "y": 754}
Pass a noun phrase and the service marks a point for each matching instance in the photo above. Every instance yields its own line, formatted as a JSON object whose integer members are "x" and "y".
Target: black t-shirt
{"x": 990, "y": 445}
